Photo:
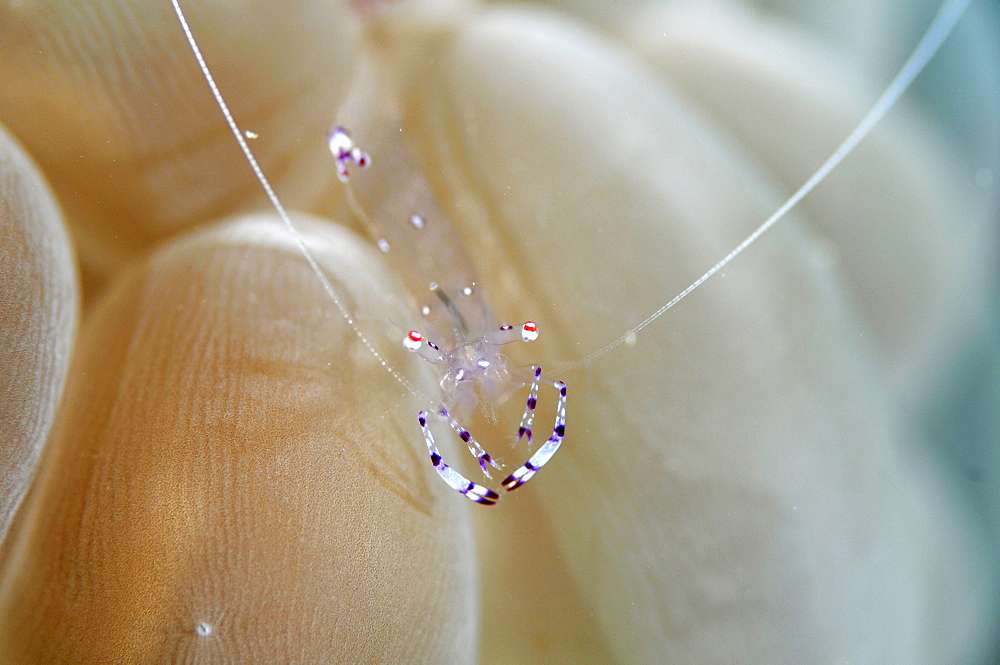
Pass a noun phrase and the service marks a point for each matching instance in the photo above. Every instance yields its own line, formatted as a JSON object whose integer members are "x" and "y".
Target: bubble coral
{"x": 221, "y": 472}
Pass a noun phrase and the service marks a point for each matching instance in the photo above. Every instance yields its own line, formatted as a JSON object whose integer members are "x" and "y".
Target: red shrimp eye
{"x": 413, "y": 340}
{"x": 529, "y": 331}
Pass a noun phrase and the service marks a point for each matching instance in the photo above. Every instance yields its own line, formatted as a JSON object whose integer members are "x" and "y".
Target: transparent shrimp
{"x": 475, "y": 366}
{"x": 421, "y": 243}
{"x": 411, "y": 229}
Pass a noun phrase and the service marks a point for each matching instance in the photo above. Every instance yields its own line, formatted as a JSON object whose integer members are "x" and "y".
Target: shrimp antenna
{"x": 280, "y": 208}
{"x": 942, "y": 25}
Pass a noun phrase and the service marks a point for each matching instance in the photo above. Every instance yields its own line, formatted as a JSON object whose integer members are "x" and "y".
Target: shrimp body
{"x": 400, "y": 210}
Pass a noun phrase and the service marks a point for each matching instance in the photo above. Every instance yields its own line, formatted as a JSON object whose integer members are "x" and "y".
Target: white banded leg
{"x": 524, "y": 429}
{"x": 548, "y": 449}
{"x": 455, "y": 480}
{"x": 477, "y": 450}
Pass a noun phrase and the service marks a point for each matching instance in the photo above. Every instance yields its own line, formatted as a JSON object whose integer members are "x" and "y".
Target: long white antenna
{"x": 938, "y": 31}
{"x": 948, "y": 15}
{"x": 282, "y": 213}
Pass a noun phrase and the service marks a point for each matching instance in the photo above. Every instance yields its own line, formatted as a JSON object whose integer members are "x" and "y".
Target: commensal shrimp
{"x": 471, "y": 353}
{"x": 459, "y": 332}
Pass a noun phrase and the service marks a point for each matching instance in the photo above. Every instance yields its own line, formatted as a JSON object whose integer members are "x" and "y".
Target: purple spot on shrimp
{"x": 538, "y": 371}
{"x": 444, "y": 412}
{"x": 464, "y": 435}
{"x": 532, "y": 402}
{"x": 562, "y": 390}
{"x": 560, "y": 431}
{"x": 435, "y": 459}
{"x": 422, "y": 420}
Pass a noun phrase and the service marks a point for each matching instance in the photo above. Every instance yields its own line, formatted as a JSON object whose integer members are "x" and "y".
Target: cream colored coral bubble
{"x": 739, "y": 481}
{"x": 38, "y": 310}
{"x": 226, "y": 483}
{"x": 110, "y": 102}
{"x": 900, "y": 210}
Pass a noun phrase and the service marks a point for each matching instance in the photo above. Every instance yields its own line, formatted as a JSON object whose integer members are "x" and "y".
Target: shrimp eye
{"x": 413, "y": 340}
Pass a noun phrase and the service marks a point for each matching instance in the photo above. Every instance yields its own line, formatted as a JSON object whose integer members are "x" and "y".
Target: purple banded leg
{"x": 455, "y": 480}
{"x": 548, "y": 449}
{"x": 477, "y": 450}
{"x": 524, "y": 430}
